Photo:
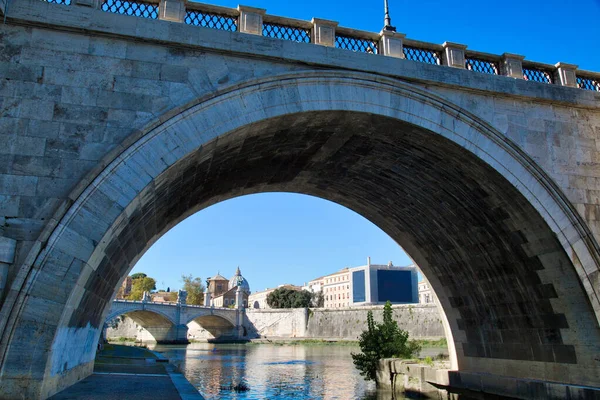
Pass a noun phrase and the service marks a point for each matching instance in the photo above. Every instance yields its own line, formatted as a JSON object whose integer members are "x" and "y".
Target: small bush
{"x": 385, "y": 340}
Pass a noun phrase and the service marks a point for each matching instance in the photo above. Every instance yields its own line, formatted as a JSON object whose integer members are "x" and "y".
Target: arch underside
{"x": 218, "y": 327}
{"x": 491, "y": 246}
{"x": 486, "y": 251}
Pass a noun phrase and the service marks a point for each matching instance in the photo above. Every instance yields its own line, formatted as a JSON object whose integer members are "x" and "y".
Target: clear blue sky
{"x": 287, "y": 238}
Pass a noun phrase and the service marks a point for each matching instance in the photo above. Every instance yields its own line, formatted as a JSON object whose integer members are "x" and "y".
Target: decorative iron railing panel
{"x": 284, "y": 32}
{"x": 537, "y": 75}
{"x": 479, "y": 65}
{"x": 211, "y": 20}
{"x": 588, "y": 83}
{"x": 135, "y": 8}
{"x": 63, "y": 2}
{"x": 422, "y": 55}
{"x": 356, "y": 44}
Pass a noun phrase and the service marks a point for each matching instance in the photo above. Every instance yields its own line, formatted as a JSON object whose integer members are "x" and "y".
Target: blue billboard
{"x": 395, "y": 286}
{"x": 358, "y": 286}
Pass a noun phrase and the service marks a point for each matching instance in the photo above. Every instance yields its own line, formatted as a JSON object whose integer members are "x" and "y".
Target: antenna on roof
{"x": 388, "y": 21}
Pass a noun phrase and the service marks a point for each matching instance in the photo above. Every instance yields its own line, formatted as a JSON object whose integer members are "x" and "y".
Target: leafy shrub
{"x": 382, "y": 340}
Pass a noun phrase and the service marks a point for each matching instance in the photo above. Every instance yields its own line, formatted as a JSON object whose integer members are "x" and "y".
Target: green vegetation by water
{"x": 382, "y": 340}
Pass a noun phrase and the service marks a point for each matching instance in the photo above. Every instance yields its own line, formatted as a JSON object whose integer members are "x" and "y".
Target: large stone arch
{"x": 503, "y": 248}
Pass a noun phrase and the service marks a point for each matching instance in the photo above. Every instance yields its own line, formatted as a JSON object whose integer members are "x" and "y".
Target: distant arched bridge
{"x": 167, "y": 322}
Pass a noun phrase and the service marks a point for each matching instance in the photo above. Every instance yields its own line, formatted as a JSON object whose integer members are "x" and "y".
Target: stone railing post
{"x": 512, "y": 65}
{"x": 567, "y": 74}
{"x": 454, "y": 55}
{"x": 391, "y": 44}
{"x": 323, "y": 32}
{"x": 171, "y": 10}
{"x": 7, "y": 257}
{"x": 251, "y": 20}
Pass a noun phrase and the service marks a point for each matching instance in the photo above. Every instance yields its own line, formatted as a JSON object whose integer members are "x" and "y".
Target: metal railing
{"x": 133, "y": 8}
{"x": 538, "y": 73}
{"x": 351, "y": 41}
{"x": 211, "y": 17}
{"x": 588, "y": 83}
{"x": 484, "y": 65}
{"x": 285, "y": 32}
{"x": 421, "y": 54}
{"x": 228, "y": 19}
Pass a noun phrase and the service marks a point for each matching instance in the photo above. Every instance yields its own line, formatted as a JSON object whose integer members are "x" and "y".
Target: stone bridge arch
{"x": 159, "y": 326}
{"x": 220, "y": 325}
{"x": 512, "y": 263}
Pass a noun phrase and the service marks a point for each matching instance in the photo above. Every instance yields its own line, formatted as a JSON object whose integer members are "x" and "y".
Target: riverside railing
{"x": 255, "y": 21}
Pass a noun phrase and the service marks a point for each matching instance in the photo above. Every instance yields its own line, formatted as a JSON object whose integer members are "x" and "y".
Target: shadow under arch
{"x": 157, "y": 327}
{"x": 218, "y": 328}
{"x": 497, "y": 240}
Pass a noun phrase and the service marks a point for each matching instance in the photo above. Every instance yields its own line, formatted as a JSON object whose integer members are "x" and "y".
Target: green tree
{"x": 382, "y": 340}
{"x": 285, "y": 297}
{"x": 138, "y": 275}
{"x": 141, "y": 285}
{"x": 194, "y": 288}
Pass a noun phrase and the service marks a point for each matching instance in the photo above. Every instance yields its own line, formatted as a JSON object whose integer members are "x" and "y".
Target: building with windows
{"x": 315, "y": 286}
{"x": 125, "y": 289}
{"x": 221, "y": 292}
{"x": 336, "y": 289}
{"x": 425, "y": 293}
{"x": 373, "y": 284}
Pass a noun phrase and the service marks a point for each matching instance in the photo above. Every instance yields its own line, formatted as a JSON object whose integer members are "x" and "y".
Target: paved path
{"x": 123, "y": 372}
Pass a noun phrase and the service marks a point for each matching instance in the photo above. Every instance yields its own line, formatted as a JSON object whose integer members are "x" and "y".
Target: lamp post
{"x": 388, "y": 21}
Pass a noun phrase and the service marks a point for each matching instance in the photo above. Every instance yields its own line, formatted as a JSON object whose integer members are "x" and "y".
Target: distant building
{"x": 315, "y": 286}
{"x": 336, "y": 289}
{"x": 258, "y": 300}
{"x": 125, "y": 289}
{"x": 376, "y": 284}
{"x": 425, "y": 293}
{"x": 222, "y": 292}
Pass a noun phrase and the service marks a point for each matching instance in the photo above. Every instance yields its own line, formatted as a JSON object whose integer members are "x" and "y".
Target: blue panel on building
{"x": 395, "y": 286}
{"x": 358, "y": 286}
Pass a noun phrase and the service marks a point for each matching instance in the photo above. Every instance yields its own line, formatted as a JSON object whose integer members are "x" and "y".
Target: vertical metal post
{"x": 387, "y": 22}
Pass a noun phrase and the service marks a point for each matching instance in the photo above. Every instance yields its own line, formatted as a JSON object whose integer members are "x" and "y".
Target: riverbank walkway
{"x": 132, "y": 373}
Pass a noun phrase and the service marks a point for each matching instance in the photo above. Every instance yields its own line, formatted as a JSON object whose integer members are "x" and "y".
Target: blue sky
{"x": 286, "y": 238}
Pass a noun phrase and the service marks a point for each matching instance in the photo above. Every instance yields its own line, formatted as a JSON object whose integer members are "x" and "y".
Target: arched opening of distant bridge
{"x": 489, "y": 229}
{"x": 146, "y": 326}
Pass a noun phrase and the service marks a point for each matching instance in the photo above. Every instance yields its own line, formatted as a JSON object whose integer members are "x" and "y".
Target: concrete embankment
{"x": 421, "y": 322}
{"x": 132, "y": 373}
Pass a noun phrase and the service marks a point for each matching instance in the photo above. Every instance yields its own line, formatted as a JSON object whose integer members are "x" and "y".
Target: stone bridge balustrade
{"x": 256, "y": 21}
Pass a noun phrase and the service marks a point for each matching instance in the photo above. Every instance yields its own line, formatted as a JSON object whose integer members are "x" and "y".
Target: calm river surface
{"x": 272, "y": 371}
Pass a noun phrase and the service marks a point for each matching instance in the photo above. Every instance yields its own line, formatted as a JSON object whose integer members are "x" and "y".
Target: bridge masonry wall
{"x": 77, "y": 86}
{"x": 70, "y": 99}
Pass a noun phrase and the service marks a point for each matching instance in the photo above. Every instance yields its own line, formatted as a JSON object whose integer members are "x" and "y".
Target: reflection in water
{"x": 272, "y": 371}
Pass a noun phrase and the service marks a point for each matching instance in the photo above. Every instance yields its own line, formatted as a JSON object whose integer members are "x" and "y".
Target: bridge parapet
{"x": 255, "y": 21}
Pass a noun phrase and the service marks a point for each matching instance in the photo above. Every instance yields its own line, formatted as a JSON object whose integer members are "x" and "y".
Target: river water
{"x": 271, "y": 371}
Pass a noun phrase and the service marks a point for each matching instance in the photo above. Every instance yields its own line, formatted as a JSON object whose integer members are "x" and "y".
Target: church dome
{"x": 239, "y": 280}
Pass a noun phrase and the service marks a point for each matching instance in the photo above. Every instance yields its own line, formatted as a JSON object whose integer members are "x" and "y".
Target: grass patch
{"x": 433, "y": 343}
{"x": 318, "y": 342}
{"x": 122, "y": 339}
